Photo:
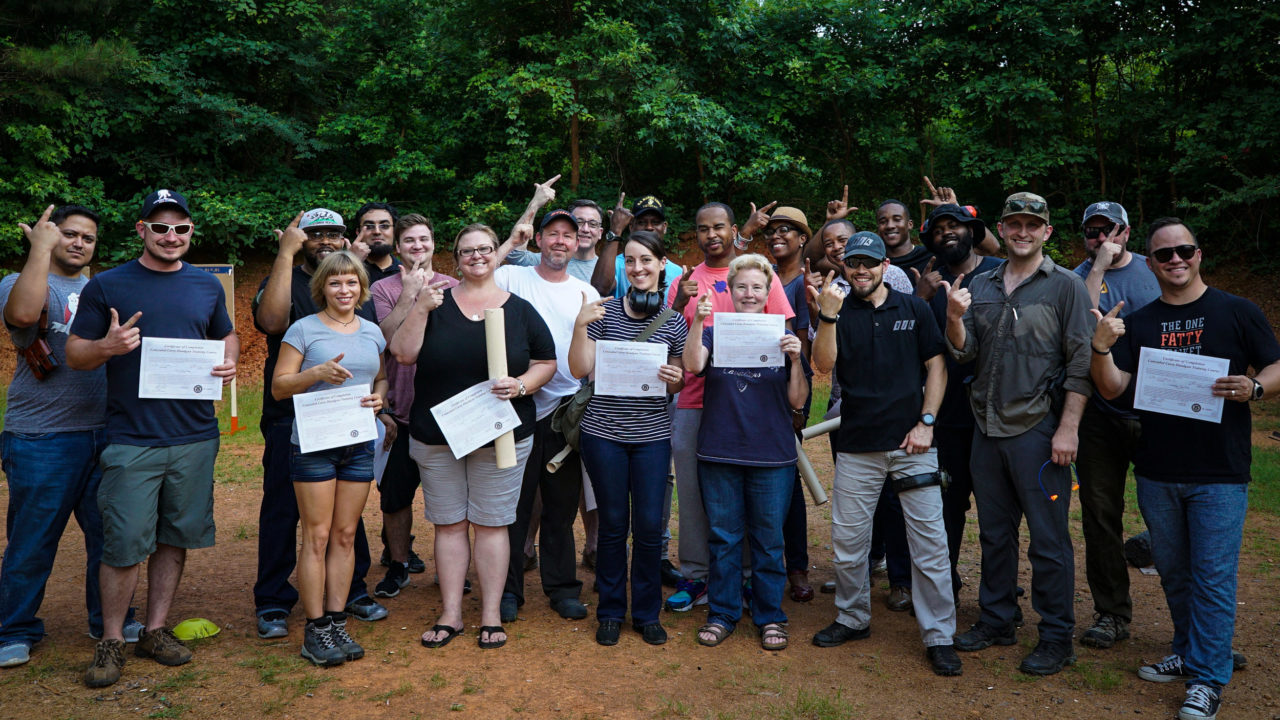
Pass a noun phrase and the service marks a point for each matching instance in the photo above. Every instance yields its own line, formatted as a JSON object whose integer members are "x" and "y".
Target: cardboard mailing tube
{"x": 805, "y": 467}
{"x": 556, "y": 462}
{"x": 495, "y": 345}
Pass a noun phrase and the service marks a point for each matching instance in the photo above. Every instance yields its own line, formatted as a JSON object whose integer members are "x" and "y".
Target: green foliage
{"x": 455, "y": 109}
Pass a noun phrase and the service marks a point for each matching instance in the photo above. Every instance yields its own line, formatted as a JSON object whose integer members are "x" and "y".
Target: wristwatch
{"x": 928, "y": 419}
{"x": 521, "y": 391}
{"x": 1258, "y": 390}
{"x": 610, "y": 236}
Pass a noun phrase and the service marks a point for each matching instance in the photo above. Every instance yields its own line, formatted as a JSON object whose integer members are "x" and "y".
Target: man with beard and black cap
{"x": 375, "y": 224}
{"x": 1109, "y": 429}
{"x": 948, "y": 233}
{"x": 283, "y": 298}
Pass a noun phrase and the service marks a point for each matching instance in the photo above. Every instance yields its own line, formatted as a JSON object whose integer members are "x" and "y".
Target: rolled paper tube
{"x": 495, "y": 345}
{"x": 554, "y": 463}
{"x": 821, "y": 428}
{"x": 809, "y": 476}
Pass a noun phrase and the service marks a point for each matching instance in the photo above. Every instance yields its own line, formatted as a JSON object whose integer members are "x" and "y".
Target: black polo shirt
{"x": 880, "y": 356}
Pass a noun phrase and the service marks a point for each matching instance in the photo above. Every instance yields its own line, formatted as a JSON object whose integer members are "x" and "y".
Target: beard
{"x": 958, "y": 253}
{"x": 864, "y": 294}
{"x": 379, "y": 250}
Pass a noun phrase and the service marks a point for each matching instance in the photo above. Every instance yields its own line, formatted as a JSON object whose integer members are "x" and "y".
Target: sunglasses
{"x": 160, "y": 228}
{"x": 1165, "y": 254}
{"x": 853, "y": 263}
{"x": 1094, "y": 233}
{"x": 1035, "y": 207}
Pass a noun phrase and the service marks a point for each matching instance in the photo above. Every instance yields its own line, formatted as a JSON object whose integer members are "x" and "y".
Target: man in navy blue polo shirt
{"x": 887, "y": 353}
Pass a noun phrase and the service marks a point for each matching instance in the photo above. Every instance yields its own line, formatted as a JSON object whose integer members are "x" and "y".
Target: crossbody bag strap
{"x": 654, "y": 324}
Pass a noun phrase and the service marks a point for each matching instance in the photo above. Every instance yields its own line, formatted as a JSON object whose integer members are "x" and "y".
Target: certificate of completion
{"x": 333, "y": 418}
{"x": 1181, "y": 384}
{"x": 629, "y": 369}
{"x": 747, "y": 340}
{"x": 174, "y": 369}
{"x": 474, "y": 418}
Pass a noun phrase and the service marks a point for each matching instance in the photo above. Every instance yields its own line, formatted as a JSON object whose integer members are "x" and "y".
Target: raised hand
{"x": 591, "y": 311}
{"x": 831, "y": 298}
{"x": 121, "y": 339}
{"x": 291, "y": 238}
{"x": 521, "y": 234}
{"x": 544, "y": 193}
{"x": 413, "y": 278}
{"x": 704, "y": 308}
{"x": 1110, "y": 328}
{"x": 958, "y": 298}
{"x": 432, "y": 296}
{"x": 619, "y": 216}
{"x": 1110, "y": 249}
{"x": 757, "y": 220}
{"x": 359, "y": 247}
{"x": 686, "y": 289}
{"x": 927, "y": 284}
{"x": 333, "y": 373}
{"x": 839, "y": 209}
{"x": 812, "y": 278}
{"x": 45, "y": 235}
{"x": 938, "y": 196}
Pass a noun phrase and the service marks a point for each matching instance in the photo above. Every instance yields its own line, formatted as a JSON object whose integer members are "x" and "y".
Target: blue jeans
{"x": 1195, "y": 542}
{"x": 751, "y": 502}
{"x": 278, "y": 527}
{"x": 51, "y": 476}
{"x": 630, "y": 482}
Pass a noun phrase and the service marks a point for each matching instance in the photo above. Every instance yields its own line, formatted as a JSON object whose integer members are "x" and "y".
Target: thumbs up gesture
{"x": 1110, "y": 328}
{"x": 121, "y": 339}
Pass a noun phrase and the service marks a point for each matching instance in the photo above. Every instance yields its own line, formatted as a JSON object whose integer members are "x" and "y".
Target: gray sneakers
{"x": 319, "y": 646}
{"x": 351, "y": 649}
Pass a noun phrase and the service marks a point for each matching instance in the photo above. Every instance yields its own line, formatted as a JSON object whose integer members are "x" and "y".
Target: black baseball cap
{"x": 161, "y": 200}
{"x": 648, "y": 203}
{"x": 956, "y": 212}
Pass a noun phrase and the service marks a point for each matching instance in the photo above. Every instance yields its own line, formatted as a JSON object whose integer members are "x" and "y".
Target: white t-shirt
{"x": 558, "y": 303}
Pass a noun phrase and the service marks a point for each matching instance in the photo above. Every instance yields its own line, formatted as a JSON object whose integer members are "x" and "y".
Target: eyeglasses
{"x": 1096, "y": 232}
{"x": 482, "y": 251}
{"x": 778, "y": 230}
{"x": 160, "y": 228}
{"x": 593, "y": 224}
{"x": 855, "y": 262}
{"x": 375, "y": 226}
{"x": 1035, "y": 207}
{"x": 1165, "y": 254}
{"x": 324, "y": 234}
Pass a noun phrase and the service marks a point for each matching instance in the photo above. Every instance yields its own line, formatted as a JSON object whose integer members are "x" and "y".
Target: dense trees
{"x": 260, "y": 107}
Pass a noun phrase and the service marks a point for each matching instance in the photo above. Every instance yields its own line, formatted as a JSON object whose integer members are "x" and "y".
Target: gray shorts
{"x": 155, "y": 495}
{"x": 472, "y": 488}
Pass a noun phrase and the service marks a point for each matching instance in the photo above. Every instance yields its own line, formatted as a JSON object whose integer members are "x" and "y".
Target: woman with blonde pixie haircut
{"x": 746, "y": 463}
{"x": 332, "y": 348}
{"x": 445, "y": 331}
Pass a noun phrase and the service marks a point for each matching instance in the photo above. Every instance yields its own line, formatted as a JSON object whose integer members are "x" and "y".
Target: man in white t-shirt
{"x": 558, "y": 297}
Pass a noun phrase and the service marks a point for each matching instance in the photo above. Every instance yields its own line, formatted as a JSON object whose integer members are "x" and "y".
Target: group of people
{"x": 955, "y": 374}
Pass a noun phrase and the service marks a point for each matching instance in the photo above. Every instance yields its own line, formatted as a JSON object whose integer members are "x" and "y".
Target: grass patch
{"x": 169, "y": 711}
{"x": 183, "y": 681}
{"x": 815, "y": 706}
{"x": 271, "y": 665}
{"x": 1095, "y": 676}
{"x": 1264, "y": 491}
{"x": 673, "y": 708}
{"x": 437, "y": 681}
{"x": 404, "y": 689}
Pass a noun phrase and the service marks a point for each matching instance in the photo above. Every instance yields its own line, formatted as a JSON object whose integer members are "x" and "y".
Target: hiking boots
{"x": 162, "y": 646}
{"x": 108, "y": 661}
{"x": 319, "y": 646}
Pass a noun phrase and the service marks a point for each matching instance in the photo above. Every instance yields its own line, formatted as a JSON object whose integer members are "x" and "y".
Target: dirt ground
{"x": 553, "y": 668}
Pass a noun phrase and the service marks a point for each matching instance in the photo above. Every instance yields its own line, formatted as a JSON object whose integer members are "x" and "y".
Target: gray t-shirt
{"x": 69, "y": 400}
{"x": 361, "y": 351}
{"x": 1136, "y": 285}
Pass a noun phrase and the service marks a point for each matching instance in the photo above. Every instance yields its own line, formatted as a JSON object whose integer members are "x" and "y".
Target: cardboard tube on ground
{"x": 495, "y": 344}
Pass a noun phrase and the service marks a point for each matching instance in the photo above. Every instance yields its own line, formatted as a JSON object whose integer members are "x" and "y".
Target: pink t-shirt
{"x": 717, "y": 280}
{"x": 386, "y": 293}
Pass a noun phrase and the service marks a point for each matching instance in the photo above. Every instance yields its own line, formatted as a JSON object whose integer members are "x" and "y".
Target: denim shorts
{"x": 353, "y": 463}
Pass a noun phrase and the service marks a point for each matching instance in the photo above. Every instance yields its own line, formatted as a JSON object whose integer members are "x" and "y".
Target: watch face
{"x": 928, "y": 419}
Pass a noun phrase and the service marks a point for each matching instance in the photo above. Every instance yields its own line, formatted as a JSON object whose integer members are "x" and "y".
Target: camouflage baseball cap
{"x": 1025, "y": 203}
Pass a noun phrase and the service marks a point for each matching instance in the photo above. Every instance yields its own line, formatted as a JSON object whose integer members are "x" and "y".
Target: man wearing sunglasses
{"x": 1027, "y": 324}
{"x": 1192, "y": 474}
{"x": 887, "y": 353}
{"x": 156, "y": 493}
{"x": 1109, "y": 429}
{"x": 375, "y": 233}
{"x": 284, "y": 297}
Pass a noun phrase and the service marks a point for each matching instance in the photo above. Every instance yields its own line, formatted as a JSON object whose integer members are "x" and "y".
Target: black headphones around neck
{"x": 645, "y": 302}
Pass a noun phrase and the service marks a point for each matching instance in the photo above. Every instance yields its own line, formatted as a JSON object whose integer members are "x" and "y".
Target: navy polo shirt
{"x": 880, "y": 356}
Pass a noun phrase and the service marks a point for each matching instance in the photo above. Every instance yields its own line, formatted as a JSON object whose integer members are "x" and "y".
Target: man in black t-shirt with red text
{"x": 1192, "y": 473}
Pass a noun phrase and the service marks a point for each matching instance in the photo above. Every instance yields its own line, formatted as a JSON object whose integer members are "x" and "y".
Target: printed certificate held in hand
{"x": 629, "y": 369}
{"x": 1179, "y": 384}
{"x": 333, "y": 418}
{"x": 177, "y": 369}
{"x": 747, "y": 340}
{"x": 474, "y": 418}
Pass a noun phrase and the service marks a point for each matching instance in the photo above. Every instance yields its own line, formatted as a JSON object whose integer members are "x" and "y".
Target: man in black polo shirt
{"x": 283, "y": 298}
{"x": 886, "y": 351}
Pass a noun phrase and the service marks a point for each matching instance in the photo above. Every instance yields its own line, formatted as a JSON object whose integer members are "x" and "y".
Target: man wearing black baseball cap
{"x": 1109, "y": 429}
{"x": 647, "y": 213}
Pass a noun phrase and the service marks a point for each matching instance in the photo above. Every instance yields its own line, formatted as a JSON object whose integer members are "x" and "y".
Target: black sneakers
{"x": 1048, "y": 658}
{"x": 981, "y": 636}
{"x": 1202, "y": 703}
{"x": 397, "y": 577}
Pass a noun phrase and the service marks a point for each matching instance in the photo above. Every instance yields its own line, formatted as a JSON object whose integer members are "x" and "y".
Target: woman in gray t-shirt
{"x": 332, "y": 348}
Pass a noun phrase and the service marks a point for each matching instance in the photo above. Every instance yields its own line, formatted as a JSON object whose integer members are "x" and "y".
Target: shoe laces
{"x": 1106, "y": 622}
{"x": 165, "y": 639}
{"x": 339, "y": 632}
{"x": 1170, "y": 665}
{"x": 324, "y": 636}
{"x": 108, "y": 652}
{"x": 1201, "y": 697}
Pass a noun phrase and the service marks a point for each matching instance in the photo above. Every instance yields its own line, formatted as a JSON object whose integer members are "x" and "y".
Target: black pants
{"x": 557, "y": 557}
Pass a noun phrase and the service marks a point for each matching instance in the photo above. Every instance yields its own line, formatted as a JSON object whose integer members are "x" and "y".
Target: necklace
{"x": 343, "y": 324}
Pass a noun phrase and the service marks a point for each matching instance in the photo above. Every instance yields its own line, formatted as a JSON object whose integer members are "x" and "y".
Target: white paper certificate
{"x": 747, "y": 340}
{"x": 174, "y": 369}
{"x": 629, "y": 369}
{"x": 473, "y": 418}
{"x": 333, "y": 418}
{"x": 1181, "y": 384}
